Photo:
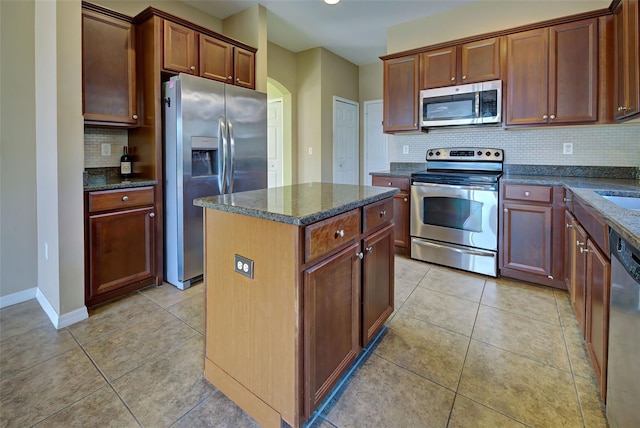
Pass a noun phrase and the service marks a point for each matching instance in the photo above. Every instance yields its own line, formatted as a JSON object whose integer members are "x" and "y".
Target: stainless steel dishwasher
{"x": 623, "y": 372}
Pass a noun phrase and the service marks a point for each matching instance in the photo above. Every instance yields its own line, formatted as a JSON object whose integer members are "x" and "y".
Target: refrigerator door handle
{"x": 232, "y": 156}
{"x": 222, "y": 136}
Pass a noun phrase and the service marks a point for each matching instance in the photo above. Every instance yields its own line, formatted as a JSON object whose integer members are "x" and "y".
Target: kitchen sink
{"x": 627, "y": 200}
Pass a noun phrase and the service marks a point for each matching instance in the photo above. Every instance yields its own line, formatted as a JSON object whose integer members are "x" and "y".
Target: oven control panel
{"x": 466, "y": 154}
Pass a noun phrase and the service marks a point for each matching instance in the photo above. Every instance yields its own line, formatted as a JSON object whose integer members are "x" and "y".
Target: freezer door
{"x": 246, "y": 112}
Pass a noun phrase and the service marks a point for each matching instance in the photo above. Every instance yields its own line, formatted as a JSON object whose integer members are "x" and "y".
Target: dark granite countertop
{"x": 624, "y": 221}
{"x": 299, "y": 204}
{"x": 110, "y": 183}
{"x": 402, "y": 169}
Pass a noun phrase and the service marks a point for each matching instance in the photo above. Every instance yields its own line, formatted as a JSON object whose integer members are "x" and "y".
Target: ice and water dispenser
{"x": 204, "y": 156}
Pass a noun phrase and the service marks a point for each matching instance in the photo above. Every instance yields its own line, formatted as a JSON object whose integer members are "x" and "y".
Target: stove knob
{"x": 430, "y": 154}
{"x": 437, "y": 153}
{"x": 479, "y": 152}
{"x": 497, "y": 154}
{"x": 488, "y": 153}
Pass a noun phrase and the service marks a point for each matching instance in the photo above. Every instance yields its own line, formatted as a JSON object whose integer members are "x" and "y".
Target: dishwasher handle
{"x": 627, "y": 254}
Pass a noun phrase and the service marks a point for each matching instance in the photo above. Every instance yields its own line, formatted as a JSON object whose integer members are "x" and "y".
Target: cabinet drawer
{"x": 119, "y": 199}
{"x": 377, "y": 214}
{"x": 327, "y": 235}
{"x": 401, "y": 183}
{"x": 596, "y": 228}
{"x": 531, "y": 193}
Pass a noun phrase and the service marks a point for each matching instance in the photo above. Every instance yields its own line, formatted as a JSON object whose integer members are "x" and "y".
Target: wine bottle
{"x": 125, "y": 164}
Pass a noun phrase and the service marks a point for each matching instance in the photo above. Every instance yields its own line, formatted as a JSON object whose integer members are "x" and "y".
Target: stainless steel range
{"x": 454, "y": 209}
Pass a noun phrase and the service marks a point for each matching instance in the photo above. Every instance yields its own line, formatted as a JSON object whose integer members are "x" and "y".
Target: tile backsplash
{"x": 93, "y": 140}
{"x": 597, "y": 145}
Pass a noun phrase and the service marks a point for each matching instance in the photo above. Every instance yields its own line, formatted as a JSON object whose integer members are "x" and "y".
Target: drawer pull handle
{"x": 340, "y": 233}
{"x": 360, "y": 256}
{"x": 527, "y": 193}
{"x": 152, "y": 214}
{"x": 369, "y": 250}
{"x": 568, "y": 226}
{"x": 125, "y": 198}
{"x": 383, "y": 213}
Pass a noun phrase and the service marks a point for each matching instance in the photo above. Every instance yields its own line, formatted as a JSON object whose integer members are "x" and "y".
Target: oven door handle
{"x": 449, "y": 248}
{"x": 451, "y": 186}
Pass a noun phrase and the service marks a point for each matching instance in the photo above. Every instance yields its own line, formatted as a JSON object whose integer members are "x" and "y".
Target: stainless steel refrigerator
{"x": 215, "y": 142}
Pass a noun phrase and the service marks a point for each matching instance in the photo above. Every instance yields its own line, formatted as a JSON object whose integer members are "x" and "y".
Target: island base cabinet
{"x": 378, "y": 271}
{"x": 331, "y": 302}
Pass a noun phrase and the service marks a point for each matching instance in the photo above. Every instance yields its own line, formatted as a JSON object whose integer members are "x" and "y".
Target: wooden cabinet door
{"x": 377, "y": 282}
{"x": 401, "y": 220}
{"x": 573, "y": 72}
{"x": 480, "y": 61}
{"x": 244, "y": 65}
{"x": 438, "y": 68}
{"x": 598, "y": 285}
{"x": 180, "y": 49}
{"x": 108, "y": 70}
{"x": 526, "y": 238}
{"x": 400, "y": 94}
{"x": 627, "y": 59}
{"x": 580, "y": 278}
{"x": 331, "y": 322}
{"x": 216, "y": 59}
{"x": 527, "y": 73}
{"x": 121, "y": 251}
{"x": 569, "y": 256}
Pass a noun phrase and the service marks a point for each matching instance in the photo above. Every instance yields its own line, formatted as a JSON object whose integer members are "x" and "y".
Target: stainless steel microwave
{"x": 472, "y": 104}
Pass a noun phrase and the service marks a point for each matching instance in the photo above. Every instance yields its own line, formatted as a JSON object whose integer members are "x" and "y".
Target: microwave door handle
{"x": 478, "y": 106}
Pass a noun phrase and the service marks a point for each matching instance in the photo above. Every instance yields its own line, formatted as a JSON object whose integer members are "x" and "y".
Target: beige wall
{"x": 18, "y": 239}
{"x": 339, "y": 78}
{"x": 308, "y": 65}
{"x": 133, "y": 7}
{"x": 282, "y": 75}
{"x": 481, "y": 17}
{"x": 370, "y": 88}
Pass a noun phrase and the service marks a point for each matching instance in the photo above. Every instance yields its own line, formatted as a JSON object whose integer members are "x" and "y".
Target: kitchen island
{"x": 298, "y": 279}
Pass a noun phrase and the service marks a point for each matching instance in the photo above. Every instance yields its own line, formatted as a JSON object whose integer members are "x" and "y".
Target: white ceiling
{"x": 356, "y": 30}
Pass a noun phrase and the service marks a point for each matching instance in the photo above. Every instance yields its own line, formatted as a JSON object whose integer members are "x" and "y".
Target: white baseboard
{"x": 64, "y": 320}
{"x": 19, "y": 297}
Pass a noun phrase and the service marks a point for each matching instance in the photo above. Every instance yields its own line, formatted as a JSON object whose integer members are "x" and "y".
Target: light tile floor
{"x": 461, "y": 350}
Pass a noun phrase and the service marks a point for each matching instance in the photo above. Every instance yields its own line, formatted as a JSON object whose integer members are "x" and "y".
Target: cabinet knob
{"x": 360, "y": 256}
{"x": 553, "y": 116}
{"x": 193, "y": 67}
{"x": 152, "y": 215}
{"x": 369, "y": 250}
{"x": 453, "y": 79}
{"x": 506, "y": 210}
{"x": 383, "y": 213}
{"x": 390, "y": 184}
{"x": 125, "y": 198}
{"x": 527, "y": 193}
{"x": 340, "y": 233}
{"x": 464, "y": 77}
{"x": 230, "y": 78}
{"x": 567, "y": 199}
{"x": 237, "y": 79}
{"x": 583, "y": 250}
{"x": 405, "y": 199}
{"x": 135, "y": 117}
{"x": 579, "y": 244}
{"x": 545, "y": 117}
{"x": 568, "y": 225}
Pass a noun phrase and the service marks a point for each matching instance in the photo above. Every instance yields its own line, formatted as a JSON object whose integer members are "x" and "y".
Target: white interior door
{"x": 376, "y": 143}
{"x": 275, "y": 161}
{"x": 346, "y": 162}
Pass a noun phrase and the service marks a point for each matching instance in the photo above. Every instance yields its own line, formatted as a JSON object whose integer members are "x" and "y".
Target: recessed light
{"x": 332, "y": 1}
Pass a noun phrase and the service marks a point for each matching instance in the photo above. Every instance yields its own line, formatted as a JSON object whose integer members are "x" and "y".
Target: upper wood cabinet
{"x": 552, "y": 74}
{"x": 400, "y": 94}
{"x": 188, "y": 51}
{"x": 468, "y": 63}
{"x": 627, "y": 59}
{"x": 108, "y": 68}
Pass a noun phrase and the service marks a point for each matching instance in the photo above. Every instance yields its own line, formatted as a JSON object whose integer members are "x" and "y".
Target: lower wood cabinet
{"x": 120, "y": 244}
{"x": 401, "y": 208}
{"x": 531, "y": 234}
{"x": 590, "y": 282}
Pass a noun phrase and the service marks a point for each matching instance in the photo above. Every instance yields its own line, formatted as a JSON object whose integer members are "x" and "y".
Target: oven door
{"x": 463, "y": 215}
